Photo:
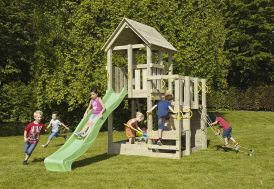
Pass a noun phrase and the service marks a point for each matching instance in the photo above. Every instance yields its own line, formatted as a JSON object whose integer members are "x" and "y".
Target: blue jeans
{"x": 53, "y": 134}
{"x": 227, "y": 133}
{"x": 161, "y": 123}
{"x": 29, "y": 147}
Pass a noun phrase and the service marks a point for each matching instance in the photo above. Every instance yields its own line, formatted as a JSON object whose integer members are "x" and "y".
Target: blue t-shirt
{"x": 162, "y": 108}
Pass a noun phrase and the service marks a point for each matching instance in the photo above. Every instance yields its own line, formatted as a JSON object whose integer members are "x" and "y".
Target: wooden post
{"x": 203, "y": 124}
{"x": 133, "y": 108}
{"x": 186, "y": 122}
{"x": 196, "y": 92}
{"x": 160, "y": 54}
{"x": 170, "y": 70}
{"x": 177, "y": 97}
{"x": 109, "y": 68}
{"x": 110, "y": 118}
{"x": 149, "y": 97}
{"x": 130, "y": 70}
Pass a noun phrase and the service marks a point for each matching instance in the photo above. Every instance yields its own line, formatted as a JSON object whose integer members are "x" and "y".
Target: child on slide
{"x": 227, "y": 130}
{"x": 97, "y": 107}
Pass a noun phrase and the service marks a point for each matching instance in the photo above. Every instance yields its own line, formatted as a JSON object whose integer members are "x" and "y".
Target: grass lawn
{"x": 204, "y": 169}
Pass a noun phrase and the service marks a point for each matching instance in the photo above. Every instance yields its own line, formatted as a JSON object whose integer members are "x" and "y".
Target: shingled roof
{"x": 132, "y": 32}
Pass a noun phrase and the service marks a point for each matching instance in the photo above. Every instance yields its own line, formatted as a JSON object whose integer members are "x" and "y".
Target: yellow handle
{"x": 200, "y": 88}
{"x": 181, "y": 115}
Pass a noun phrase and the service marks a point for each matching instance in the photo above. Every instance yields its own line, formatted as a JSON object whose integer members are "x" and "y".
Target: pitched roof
{"x": 147, "y": 34}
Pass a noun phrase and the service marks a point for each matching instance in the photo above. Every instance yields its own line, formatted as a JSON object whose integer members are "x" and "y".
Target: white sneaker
{"x": 44, "y": 145}
{"x": 78, "y": 134}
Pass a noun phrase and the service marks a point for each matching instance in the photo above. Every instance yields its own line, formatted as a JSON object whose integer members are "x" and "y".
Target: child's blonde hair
{"x": 37, "y": 112}
{"x": 139, "y": 114}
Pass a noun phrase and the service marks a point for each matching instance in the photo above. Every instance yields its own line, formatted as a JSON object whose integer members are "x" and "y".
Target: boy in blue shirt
{"x": 163, "y": 108}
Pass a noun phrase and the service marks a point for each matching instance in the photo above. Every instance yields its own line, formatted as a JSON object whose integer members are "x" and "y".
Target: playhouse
{"x": 186, "y": 132}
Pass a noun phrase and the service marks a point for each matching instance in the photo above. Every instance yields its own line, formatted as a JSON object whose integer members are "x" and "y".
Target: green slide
{"x": 62, "y": 159}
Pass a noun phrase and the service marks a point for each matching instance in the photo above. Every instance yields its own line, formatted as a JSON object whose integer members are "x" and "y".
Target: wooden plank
{"x": 109, "y": 68}
{"x": 139, "y": 94}
{"x": 110, "y": 133}
{"x": 167, "y": 135}
{"x": 164, "y": 77}
{"x": 144, "y": 78}
{"x": 149, "y": 97}
{"x": 130, "y": 70}
{"x": 139, "y": 150}
{"x": 203, "y": 124}
{"x": 160, "y": 54}
{"x": 170, "y": 70}
{"x": 158, "y": 72}
{"x": 163, "y": 147}
{"x": 142, "y": 66}
{"x": 125, "y": 47}
{"x": 177, "y": 123}
{"x": 186, "y": 122}
{"x": 137, "y": 80}
{"x": 196, "y": 94}
{"x": 121, "y": 79}
{"x": 116, "y": 81}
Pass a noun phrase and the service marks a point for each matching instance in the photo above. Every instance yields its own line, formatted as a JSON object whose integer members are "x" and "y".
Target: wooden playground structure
{"x": 186, "y": 131}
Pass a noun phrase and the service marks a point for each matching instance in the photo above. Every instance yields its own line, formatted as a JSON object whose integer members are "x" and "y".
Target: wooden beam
{"x": 177, "y": 122}
{"x": 109, "y": 68}
{"x": 203, "y": 124}
{"x": 186, "y": 122}
{"x": 110, "y": 133}
{"x": 163, "y": 147}
{"x": 143, "y": 66}
{"x": 125, "y": 47}
{"x": 149, "y": 97}
{"x": 164, "y": 77}
{"x": 170, "y": 70}
{"x": 130, "y": 69}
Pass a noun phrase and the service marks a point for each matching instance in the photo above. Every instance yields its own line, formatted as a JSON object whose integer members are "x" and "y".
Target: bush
{"x": 255, "y": 98}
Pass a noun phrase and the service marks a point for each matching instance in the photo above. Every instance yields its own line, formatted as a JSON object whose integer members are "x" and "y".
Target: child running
{"x": 32, "y": 135}
{"x": 132, "y": 126}
{"x": 55, "y": 124}
{"x": 163, "y": 107}
{"x": 227, "y": 129}
{"x": 97, "y": 107}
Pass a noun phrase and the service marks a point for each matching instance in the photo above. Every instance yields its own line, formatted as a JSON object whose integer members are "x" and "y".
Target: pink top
{"x": 96, "y": 106}
{"x": 223, "y": 123}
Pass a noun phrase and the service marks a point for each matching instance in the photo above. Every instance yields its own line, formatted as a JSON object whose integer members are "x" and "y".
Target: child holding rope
{"x": 227, "y": 129}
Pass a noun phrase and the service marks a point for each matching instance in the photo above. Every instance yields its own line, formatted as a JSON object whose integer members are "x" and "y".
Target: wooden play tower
{"x": 186, "y": 132}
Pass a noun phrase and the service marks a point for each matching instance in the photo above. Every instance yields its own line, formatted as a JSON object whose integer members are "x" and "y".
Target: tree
{"x": 249, "y": 43}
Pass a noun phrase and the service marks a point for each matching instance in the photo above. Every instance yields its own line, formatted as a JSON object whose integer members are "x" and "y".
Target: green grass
{"x": 204, "y": 169}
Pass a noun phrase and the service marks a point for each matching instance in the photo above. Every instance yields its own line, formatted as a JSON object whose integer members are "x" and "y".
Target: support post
{"x": 177, "y": 97}
{"x": 130, "y": 70}
{"x": 110, "y": 118}
{"x": 203, "y": 124}
{"x": 133, "y": 108}
{"x": 149, "y": 97}
{"x": 170, "y": 71}
{"x": 196, "y": 92}
{"x": 186, "y": 122}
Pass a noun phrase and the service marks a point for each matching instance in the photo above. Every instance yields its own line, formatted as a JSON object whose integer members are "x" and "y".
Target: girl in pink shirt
{"x": 97, "y": 107}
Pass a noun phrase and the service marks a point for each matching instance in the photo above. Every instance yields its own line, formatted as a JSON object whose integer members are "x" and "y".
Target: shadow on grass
{"x": 224, "y": 149}
{"x": 37, "y": 160}
{"x": 94, "y": 159}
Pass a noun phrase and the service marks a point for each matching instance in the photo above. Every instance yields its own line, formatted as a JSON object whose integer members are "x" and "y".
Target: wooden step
{"x": 167, "y": 135}
{"x": 162, "y": 147}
